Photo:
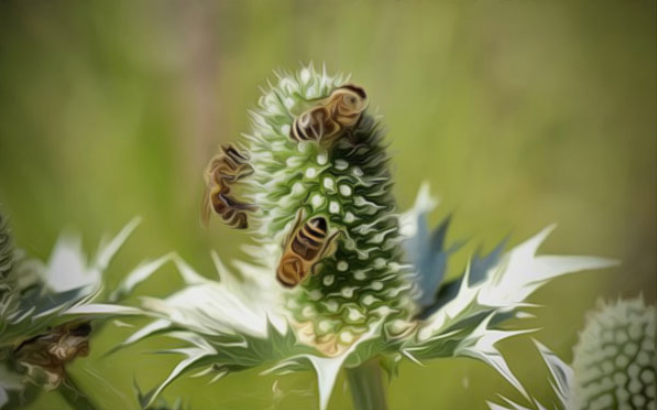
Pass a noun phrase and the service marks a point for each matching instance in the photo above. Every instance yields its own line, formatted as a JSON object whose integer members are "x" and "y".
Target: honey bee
{"x": 306, "y": 245}
{"x": 340, "y": 111}
{"x": 224, "y": 170}
{"x": 51, "y": 351}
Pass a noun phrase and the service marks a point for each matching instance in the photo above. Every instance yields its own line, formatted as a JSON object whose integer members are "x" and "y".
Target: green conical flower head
{"x": 348, "y": 183}
{"x": 7, "y": 273}
{"x": 614, "y": 360}
{"x": 7, "y": 279}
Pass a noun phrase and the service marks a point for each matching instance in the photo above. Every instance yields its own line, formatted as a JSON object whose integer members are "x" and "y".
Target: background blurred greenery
{"x": 519, "y": 113}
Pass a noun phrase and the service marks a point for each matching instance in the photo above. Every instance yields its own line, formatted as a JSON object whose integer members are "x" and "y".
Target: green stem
{"x": 75, "y": 397}
{"x": 368, "y": 390}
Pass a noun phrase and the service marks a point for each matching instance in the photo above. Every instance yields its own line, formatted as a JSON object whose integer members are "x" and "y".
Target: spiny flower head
{"x": 346, "y": 183}
{"x": 8, "y": 279}
{"x": 44, "y": 312}
{"x": 614, "y": 362}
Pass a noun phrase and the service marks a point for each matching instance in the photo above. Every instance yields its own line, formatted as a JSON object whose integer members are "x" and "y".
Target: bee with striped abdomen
{"x": 347, "y": 103}
{"x": 51, "y": 351}
{"x": 224, "y": 170}
{"x": 307, "y": 244}
{"x": 327, "y": 121}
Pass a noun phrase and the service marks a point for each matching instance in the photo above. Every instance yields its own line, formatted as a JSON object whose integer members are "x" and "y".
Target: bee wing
{"x": 290, "y": 234}
{"x": 329, "y": 246}
{"x": 206, "y": 208}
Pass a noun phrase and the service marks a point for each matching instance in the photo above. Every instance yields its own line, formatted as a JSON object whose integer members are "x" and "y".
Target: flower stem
{"x": 368, "y": 390}
{"x": 77, "y": 399}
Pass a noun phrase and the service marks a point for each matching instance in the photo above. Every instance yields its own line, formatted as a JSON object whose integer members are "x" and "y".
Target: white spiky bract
{"x": 614, "y": 362}
{"x": 471, "y": 317}
{"x": 364, "y": 301}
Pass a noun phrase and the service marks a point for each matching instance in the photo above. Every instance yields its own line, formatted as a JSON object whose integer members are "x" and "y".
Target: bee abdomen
{"x": 313, "y": 125}
{"x": 233, "y": 157}
{"x": 226, "y": 169}
{"x": 310, "y": 238}
{"x": 301, "y": 128}
{"x": 356, "y": 89}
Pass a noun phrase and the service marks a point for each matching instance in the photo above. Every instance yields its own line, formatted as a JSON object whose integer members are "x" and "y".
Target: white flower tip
{"x": 424, "y": 202}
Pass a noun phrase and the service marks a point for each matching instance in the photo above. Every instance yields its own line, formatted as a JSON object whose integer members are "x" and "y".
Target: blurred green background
{"x": 519, "y": 113}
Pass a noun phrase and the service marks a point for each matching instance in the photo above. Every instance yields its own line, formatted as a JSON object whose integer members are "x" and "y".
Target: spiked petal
{"x": 464, "y": 315}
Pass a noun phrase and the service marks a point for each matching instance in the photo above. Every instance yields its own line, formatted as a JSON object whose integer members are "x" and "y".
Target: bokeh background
{"x": 519, "y": 114}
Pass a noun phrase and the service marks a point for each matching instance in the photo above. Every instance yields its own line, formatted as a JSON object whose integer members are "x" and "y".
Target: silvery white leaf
{"x": 480, "y": 345}
{"x": 512, "y": 405}
{"x": 69, "y": 268}
{"x": 146, "y": 331}
{"x": 562, "y": 374}
{"x": 65, "y": 286}
{"x": 326, "y": 368}
{"x": 424, "y": 203}
{"x": 216, "y": 308}
{"x": 494, "y": 288}
{"x": 138, "y": 275}
{"x": 108, "y": 249}
{"x": 508, "y": 284}
{"x": 428, "y": 254}
{"x": 232, "y": 323}
{"x": 192, "y": 355}
{"x": 477, "y": 270}
{"x": 100, "y": 309}
{"x": 220, "y": 355}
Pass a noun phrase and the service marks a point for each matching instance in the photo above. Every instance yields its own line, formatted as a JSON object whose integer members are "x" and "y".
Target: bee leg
{"x": 330, "y": 246}
{"x": 350, "y": 136}
{"x": 234, "y": 154}
{"x": 232, "y": 203}
{"x": 328, "y": 249}
{"x": 227, "y": 215}
{"x": 355, "y": 147}
{"x": 245, "y": 171}
{"x": 331, "y": 132}
{"x": 297, "y": 223}
{"x": 313, "y": 269}
{"x": 241, "y": 221}
{"x": 316, "y": 131}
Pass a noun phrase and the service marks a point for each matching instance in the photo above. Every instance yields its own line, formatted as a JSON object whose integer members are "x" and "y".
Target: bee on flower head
{"x": 335, "y": 115}
{"x": 49, "y": 352}
{"x": 226, "y": 169}
{"x": 307, "y": 244}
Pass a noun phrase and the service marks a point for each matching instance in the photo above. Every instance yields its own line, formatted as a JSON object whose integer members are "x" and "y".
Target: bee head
{"x": 353, "y": 98}
{"x": 356, "y": 90}
{"x": 319, "y": 223}
{"x": 82, "y": 329}
{"x": 290, "y": 272}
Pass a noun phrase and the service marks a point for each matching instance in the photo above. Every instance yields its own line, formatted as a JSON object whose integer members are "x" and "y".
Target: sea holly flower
{"x": 44, "y": 314}
{"x": 614, "y": 362}
{"x": 377, "y": 294}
